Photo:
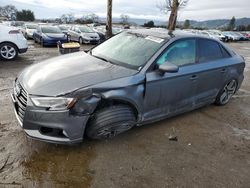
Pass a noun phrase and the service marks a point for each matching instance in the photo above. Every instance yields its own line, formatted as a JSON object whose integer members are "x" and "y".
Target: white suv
{"x": 12, "y": 42}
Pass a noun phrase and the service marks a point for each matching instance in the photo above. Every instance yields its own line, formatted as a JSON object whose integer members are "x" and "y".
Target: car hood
{"x": 55, "y": 35}
{"x": 67, "y": 73}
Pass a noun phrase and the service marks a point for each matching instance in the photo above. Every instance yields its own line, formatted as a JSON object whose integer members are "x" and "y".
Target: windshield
{"x": 31, "y": 26}
{"x": 86, "y": 29}
{"x": 51, "y": 30}
{"x": 128, "y": 49}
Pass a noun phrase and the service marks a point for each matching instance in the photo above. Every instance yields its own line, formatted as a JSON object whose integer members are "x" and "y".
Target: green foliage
{"x": 149, "y": 24}
{"x": 186, "y": 24}
{"x": 25, "y": 15}
{"x": 232, "y": 24}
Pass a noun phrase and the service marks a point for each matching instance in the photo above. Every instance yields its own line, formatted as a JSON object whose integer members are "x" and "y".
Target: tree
{"x": 124, "y": 19}
{"x": 186, "y": 24}
{"x": 8, "y": 11}
{"x": 67, "y": 18}
{"x": 109, "y": 19}
{"x": 241, "y": 28}
{"x": 149, "y": 24}
{"x": 25, "y": 15}
{"x": 231, "y": 24}
{"x": 91, "y": 18}
{"x": 248, "y": 28}
{"x": 173, "y": 6}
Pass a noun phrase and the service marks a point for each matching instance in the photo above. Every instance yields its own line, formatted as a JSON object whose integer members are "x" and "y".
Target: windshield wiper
{"x": 101, "y": 58}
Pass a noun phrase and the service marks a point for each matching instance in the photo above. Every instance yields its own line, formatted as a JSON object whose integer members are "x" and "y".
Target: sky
{"x": 144, "y": 9}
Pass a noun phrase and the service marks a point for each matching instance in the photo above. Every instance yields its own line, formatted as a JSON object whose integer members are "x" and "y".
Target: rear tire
{"x": 69, "y": 38}
{"x": 81, "y": 40}
{"x": 111, "y": 121}
{"x": 226, "y": 93}
{"x": 8, "y": 51}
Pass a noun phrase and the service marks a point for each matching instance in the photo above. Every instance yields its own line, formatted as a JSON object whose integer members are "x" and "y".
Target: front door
{"x": 172, "y": 93}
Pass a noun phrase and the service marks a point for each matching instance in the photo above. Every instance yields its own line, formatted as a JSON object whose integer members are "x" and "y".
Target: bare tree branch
{"x": 172, "y": 6}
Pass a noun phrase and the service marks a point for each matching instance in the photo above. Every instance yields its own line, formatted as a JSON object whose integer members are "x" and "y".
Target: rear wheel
{"x": 111, "y": 121}
{"x": 69, "y": 38}
{"x": 8, "y": 51}
{"x": 81, "y": 40}
{"x": 226, "y": 93}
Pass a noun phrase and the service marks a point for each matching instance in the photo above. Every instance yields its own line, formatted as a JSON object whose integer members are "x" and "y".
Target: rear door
{"x": 172, "y": 93}
{"x": 213, "y": 69}
{"x": 73, "y": 34}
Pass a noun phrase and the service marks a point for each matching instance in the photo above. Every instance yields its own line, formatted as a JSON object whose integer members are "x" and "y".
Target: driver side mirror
{"x": 168, "y": 67}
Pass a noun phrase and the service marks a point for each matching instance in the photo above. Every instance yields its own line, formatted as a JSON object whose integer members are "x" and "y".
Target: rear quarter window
{"x": 209, "y": 50}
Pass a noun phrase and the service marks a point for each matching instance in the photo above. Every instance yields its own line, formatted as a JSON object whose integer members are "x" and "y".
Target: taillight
{"x": 14, "y": 32}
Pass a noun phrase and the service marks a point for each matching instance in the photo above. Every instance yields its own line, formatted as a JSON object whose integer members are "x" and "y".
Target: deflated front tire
{"x": 111, "y": 121}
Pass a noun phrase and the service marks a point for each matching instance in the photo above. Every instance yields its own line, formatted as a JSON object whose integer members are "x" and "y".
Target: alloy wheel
{"x": 8, "y": 52}
{"x": 228, "y": 92}
{"x": 80, "y": 40}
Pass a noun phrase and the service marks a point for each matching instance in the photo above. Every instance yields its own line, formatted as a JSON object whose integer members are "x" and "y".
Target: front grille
{"x": 21, "y": 99}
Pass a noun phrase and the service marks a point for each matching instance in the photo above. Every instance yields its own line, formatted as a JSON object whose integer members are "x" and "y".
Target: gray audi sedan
{"x": 134, "y": 78}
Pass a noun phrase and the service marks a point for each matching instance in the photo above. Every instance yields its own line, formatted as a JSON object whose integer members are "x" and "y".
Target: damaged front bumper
{"x": 60, "y": 127}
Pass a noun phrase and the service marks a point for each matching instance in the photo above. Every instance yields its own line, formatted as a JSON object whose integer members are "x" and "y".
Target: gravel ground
{"x": 213, "y": 147}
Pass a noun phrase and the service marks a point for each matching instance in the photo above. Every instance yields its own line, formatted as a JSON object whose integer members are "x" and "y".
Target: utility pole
{"x": 109, "y": 19}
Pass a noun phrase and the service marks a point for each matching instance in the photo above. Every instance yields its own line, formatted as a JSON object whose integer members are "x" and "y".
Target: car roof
{"x": 166, "y": 34}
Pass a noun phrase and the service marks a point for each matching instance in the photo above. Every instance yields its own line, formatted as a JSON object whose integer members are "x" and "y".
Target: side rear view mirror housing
{"x": 168, "y": 67}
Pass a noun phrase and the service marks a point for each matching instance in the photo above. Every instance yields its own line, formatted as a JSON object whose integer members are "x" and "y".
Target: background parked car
{"x": 18, "y": 24}
{"x": 48, "y": 35}
{"x": 231, "y": 36}
{"x": 12, "y": 42}
{"x": 64, "y": 28}
{"x": 241, "y": 37}
{"x": 101, "y": 30}
{"x": 217, "y": 35}
{"x": 83, "y": 34}
{"x": 246, "y": 34}
{"x": 28, "y": 30}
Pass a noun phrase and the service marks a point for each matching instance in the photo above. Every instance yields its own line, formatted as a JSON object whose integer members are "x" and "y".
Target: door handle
{"x": 193, "y": 77}
{"x": 223, "y": 70}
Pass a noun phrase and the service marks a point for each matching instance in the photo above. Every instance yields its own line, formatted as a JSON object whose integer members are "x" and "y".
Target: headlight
{"x": 54, "y": 103}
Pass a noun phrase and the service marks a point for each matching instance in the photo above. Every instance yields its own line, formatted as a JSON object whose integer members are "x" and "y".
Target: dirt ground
{"x": 213, "y": 147}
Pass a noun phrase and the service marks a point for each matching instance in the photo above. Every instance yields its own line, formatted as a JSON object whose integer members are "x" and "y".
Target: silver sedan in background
{"x": 83, "y": 34}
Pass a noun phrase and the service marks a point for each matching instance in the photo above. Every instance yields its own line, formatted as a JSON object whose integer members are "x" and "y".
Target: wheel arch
{"x": 10, "y": 43}
{"x": 106, "y": 102}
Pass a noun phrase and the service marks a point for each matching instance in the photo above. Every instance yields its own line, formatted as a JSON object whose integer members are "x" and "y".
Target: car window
{"x": 209, "y": 50}
{"x": 85, "y": 29}
{"x": 50, "y": 29}
{"x": 180, "y": 53}
{"x": 225, "y": 52}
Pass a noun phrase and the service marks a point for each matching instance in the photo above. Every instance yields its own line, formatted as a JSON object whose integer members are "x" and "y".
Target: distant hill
{"x": 210, "y": 24}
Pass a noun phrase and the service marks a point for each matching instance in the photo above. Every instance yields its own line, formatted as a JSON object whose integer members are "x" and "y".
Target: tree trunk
{"x": 109, "y": 19}
{"x": 173, "y": 15}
